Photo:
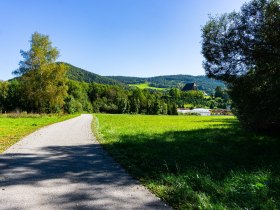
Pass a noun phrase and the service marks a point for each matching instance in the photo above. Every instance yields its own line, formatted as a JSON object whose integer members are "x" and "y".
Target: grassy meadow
{"x": 14, "y": 127}
{"x": 146, "y": 86}
{"x": 195, "y": 162}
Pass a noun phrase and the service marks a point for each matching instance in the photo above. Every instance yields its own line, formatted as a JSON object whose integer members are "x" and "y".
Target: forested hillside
{"x": 81, "y": 75}
{"x": 173, "y": 81}
{"x": 169, "y": 81}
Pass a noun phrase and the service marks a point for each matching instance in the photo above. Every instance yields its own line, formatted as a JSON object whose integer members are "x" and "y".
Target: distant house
{"x": 198, "y": 111}
{"x": 190, "y": 86}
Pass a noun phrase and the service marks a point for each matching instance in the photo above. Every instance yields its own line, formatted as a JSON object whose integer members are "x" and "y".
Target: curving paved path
{"x": 63, "y": 167}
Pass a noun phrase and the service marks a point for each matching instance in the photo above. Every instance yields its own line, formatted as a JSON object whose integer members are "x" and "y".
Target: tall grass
{"x": 196, "y": 162}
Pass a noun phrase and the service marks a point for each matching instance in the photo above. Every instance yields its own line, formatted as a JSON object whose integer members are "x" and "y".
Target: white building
{"x": 199, "y": 111}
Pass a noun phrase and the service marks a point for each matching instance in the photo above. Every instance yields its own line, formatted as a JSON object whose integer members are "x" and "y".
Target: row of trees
{"x": 173, "y": 81}
{"x": 93, "y": 97}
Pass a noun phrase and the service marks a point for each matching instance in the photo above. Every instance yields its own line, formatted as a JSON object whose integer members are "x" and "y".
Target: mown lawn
{"x": 195, "y": 162}
{"x": 13, "y": 127}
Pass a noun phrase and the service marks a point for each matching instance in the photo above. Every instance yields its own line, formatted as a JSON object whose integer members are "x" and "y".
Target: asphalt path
{"x": 62, "y": 166}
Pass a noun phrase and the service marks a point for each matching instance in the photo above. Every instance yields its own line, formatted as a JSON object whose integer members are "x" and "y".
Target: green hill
{"x": 160, "y": 82}
{"x": 81, "y": 75}
{"x": 204, "y": 83}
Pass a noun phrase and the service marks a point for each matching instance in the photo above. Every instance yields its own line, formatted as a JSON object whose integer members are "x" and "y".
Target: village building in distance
{"x": 190, "y": 86}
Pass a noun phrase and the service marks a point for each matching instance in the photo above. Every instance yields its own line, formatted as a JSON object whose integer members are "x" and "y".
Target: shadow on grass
{"x": 83, "y": 175}
{"x": 218, "y": 167}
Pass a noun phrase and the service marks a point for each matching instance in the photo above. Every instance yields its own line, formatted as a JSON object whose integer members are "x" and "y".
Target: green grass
{"x": 195, "y": 162}
{"x": 13, "y": 127}
{"x": 146, "y": 86}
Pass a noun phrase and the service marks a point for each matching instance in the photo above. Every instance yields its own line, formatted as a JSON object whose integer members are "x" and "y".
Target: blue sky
{"x": 112, "y": 37}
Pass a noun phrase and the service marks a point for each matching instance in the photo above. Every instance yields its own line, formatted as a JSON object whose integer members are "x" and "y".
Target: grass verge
{"x": 195, "y": 162}
{"x": 14, "y": 127}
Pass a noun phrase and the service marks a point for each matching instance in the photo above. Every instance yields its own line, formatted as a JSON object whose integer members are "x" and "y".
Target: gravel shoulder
{"x": 62, "y": 166}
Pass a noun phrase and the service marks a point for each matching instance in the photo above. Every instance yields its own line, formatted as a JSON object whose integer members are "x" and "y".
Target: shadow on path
{"x": 79, "y": 177}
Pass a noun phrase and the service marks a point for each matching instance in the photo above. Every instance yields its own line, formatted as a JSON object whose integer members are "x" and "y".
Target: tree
{"x": 243, "y": 49}
{"x": 15, "y": 100}
{"x": 44, "y": 80}
{"x": 218, "y": 92}
{"x": 4, "y": 88}
{"x": 174, "y": 93}
{"x": 77, "y": 99}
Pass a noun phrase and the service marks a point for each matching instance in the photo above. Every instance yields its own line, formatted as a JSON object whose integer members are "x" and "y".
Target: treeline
{"x": 173, "y": 81}
{"x": 93, "y": 97}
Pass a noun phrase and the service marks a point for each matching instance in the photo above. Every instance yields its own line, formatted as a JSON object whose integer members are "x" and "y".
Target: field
{"x": 195, "y": 162}
{"x": 13, "y": 127}
{"x": 145, "y": 86}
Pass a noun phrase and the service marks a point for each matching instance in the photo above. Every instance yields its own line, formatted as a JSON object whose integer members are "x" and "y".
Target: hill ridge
{"x": 173, "y": 81}
{"x": 82, "y": 75}
{"x": 164, "y": 81}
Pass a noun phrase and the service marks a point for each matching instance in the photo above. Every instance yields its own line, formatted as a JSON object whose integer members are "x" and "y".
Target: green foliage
{"x": 243, "y": 49}
{"x": 218, "y": 92}
{"x": 81, "y": 75}
{"x": 77, "y": 99}
{"x": 258, "y": 106}
{"x": 196, "y": 162}
{"x": 194, "y": 97}
{"x": 43, "y": 81}
{"x": 11, "y": 98}
{"x": 4, "y": 87}
{"x": 115, "y": 99}
{"x": 108, "y": 98}
{"x": 88, "y": 97}
{"x": 129, "y": 80}
{"x": 172, "y": 81}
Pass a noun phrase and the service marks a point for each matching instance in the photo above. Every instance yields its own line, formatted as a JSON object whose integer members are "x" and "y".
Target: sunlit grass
{"x": 146, "y": 86}
{"x": 13, "y": 127}
{"x": 195, "y": 162}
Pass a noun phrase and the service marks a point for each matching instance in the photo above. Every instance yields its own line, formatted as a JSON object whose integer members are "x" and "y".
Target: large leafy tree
{"x": 43, "y": 80}
{"x": 243, "y": 49}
